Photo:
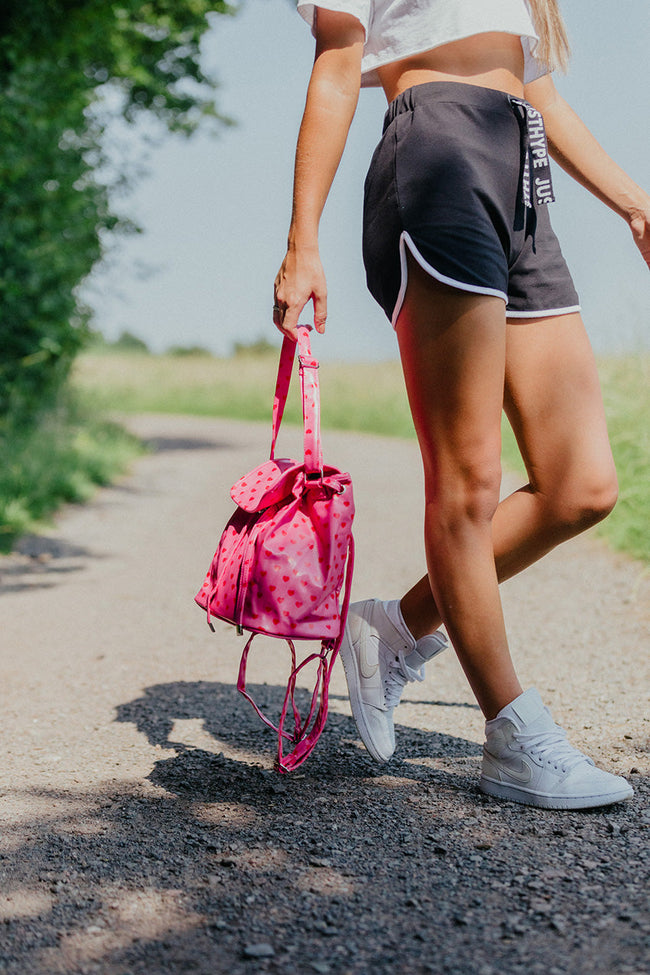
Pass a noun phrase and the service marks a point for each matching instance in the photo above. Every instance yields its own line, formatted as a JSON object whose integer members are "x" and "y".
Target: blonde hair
{"x": 553, "y": 48}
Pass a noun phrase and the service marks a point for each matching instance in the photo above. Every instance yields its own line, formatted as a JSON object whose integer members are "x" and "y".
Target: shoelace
{"x": 399, "y": 674}
{"x": 553, "y": 748}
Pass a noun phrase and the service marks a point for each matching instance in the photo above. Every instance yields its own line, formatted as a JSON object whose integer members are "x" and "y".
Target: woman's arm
{"x": 331, "y": 102}
{"x": 576, "y": 150}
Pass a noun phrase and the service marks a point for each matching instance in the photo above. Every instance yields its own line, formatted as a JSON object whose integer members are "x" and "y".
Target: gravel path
{"x": 143, "y": 831}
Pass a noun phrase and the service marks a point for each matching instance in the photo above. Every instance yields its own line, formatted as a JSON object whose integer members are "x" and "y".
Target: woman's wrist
{"x": 303, "y": 240}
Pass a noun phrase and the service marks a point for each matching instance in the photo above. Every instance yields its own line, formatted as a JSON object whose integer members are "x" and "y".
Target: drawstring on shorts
{"x": 536, "y": 190}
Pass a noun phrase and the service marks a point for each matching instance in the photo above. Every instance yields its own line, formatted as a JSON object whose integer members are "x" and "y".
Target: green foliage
{"x": 64, "y": 458}
{"x": 626, "y": 384}
{"x": 128, "y": 342}
{"x": 58, "y": 57}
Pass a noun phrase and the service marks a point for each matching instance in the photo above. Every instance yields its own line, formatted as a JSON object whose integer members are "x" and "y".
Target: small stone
{"x": 559, "y": 923}
{"x": 263, "y": 950}
{"x": 321, "y": 967}
{"x": 535, "y": 885}
{"x": 539, "y": 906}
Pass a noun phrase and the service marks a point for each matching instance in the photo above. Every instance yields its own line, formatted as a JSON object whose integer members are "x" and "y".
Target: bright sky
{"x": 215, "y": 211}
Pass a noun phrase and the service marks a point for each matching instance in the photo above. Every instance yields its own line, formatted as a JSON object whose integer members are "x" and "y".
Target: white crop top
{"x": 396, "y": 29}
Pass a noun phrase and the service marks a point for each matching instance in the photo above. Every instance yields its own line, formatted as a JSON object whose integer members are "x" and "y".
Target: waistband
{"x": 447, "y": 91}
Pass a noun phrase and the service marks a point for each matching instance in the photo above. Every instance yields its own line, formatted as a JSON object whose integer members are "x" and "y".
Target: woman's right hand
{"x": 300, "y": 279}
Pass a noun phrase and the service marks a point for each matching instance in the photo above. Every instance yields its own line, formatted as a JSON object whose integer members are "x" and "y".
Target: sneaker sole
{"x": 517, "y": 794}
{"x": 352, "y": 677}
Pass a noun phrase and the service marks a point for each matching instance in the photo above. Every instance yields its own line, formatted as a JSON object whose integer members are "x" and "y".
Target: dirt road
{"x": 142, "y": 829}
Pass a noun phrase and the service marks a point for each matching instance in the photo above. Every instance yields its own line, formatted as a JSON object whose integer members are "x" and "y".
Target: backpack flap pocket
{"x": 268, "y": 484}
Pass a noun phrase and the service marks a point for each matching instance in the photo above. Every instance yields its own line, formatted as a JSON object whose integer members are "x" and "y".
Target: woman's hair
{"x": 553, "y": 48}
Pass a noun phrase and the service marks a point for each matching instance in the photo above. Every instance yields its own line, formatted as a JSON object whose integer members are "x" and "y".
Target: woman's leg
{"x": 453, "y": 350}
{"x": 554, "y": 403}
{"x": 460, "y": 359}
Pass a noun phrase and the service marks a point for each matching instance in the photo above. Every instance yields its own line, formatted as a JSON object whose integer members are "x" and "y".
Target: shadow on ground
{"x": 218, "y": 864}
{"x": 159, "y": 444}
{"x": 40, "y": 562}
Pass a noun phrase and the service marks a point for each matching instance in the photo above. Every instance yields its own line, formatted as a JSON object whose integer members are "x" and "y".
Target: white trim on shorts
{"x": 406, "y": 239}
{"x": 543, "y": 312}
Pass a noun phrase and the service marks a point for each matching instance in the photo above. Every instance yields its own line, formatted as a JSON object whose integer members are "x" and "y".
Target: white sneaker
{"x": 379, "y": 659}
{"x": 527, "y": 758}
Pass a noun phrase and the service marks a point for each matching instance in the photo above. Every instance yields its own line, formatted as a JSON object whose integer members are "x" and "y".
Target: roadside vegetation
{"x": 367, "y": 397}
{"x": 68, "y": 68}
{"x": 626, "y": 384}
{"x": 71, "y": 451}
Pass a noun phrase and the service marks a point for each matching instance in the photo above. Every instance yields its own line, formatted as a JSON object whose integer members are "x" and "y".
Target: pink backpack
{"x": 285, "y": 557}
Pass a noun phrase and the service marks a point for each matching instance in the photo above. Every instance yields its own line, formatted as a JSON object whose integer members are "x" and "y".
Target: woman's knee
{"x": 584, "y": 500}
{"x": 464, "y": 493}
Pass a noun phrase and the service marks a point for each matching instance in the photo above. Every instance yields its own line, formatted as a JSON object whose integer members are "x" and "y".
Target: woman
{"x": 460, "y": 254}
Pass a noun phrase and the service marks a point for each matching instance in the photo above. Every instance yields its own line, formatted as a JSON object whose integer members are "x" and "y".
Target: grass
{"x": 367, "y": 397}
{"x": 65, "y": 458}
{"x": 626, "y": 385}
{"x": 370, "y": 398}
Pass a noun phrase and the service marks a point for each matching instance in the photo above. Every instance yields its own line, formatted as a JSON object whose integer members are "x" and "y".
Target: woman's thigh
{"x": 554, "y": 403}
{"x": 453, "y": 347}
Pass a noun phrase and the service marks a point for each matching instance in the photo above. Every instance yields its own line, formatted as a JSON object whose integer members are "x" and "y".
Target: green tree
{"x": 57, "y": 59}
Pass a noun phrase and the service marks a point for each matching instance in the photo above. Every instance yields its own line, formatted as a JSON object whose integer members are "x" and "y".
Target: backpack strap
{"x": 310, "y": 393}
{"x": 306, "y": 733}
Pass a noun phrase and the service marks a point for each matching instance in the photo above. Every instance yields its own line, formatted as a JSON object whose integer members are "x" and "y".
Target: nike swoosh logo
{"x": 367, "y": 667}
{"x": 519, "y": 771}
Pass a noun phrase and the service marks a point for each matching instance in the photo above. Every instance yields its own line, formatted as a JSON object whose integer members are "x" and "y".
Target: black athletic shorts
{"x": 461, "y": 178}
